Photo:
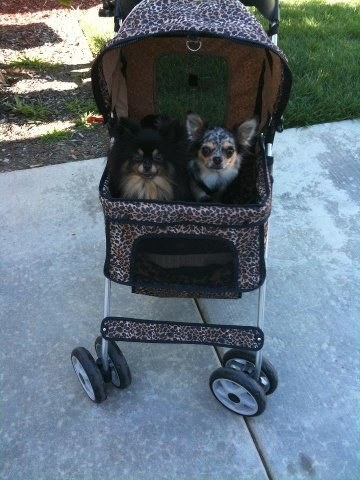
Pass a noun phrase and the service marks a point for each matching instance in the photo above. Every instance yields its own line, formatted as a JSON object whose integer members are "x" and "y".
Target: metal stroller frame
{"x": 111, "y": 363}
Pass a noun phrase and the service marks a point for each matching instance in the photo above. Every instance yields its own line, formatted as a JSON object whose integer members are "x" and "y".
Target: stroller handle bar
{"x": 121, "y": 8}
{"x": 268, "y": 8}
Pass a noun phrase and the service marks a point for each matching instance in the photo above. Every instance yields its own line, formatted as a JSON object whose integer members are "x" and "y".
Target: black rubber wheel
{"x": 119, "y": 369}
{"x": 244, "y": 361}
{"x": 238, "y": 392}
{"x": 88, "y": 374}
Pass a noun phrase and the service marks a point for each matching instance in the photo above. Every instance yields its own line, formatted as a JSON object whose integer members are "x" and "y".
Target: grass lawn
{"x": 321, "y": 39}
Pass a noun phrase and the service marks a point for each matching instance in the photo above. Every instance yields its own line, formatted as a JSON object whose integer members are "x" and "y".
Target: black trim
{"x": 202, "y": 291}
{"x": 259, "y": 205}
{"x": 273, "y": 29}
{"x": 108, "y": 248}
{"x": 262, "y": 260}
{"x": 269, "y": 59}
{"x": 244, "y": 225}
{"x": 259, "y": 95}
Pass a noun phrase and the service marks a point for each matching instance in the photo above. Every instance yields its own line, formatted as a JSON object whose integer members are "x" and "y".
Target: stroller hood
{"x": 159, "y": 37}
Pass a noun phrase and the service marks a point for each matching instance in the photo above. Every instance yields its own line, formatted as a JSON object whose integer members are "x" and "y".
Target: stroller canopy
{"x": 207, "y": 56}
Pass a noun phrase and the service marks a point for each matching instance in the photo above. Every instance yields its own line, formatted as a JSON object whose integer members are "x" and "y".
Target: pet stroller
{"x": 213, "y": 58}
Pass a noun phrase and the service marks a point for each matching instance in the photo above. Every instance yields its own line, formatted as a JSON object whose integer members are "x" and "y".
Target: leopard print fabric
{"x": 243, "y": 227}
{"x": 229, "y": 20}
{"x": 134, "y": 330}
{"x": 121, "y": 237}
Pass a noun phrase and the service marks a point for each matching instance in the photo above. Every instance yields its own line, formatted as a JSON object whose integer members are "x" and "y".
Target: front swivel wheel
{"x": 238, "y": 392}
{"x": 88, "y": 374}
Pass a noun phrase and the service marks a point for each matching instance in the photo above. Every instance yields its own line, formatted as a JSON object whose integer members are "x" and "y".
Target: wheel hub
{"x": 83, "y": 378}
{"x": 234, "y": 398}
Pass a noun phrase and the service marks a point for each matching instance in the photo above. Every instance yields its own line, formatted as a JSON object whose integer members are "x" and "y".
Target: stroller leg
{"x": 262, "y": 294}
{"x": 105, "y": 343}
{"x": 260, "y": 323}
{"x": 268, "y": 150}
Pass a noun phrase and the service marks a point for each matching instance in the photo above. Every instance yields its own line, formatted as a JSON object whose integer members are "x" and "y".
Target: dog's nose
{"x": 147, "y": 166}
{"x": 217, "y": 161}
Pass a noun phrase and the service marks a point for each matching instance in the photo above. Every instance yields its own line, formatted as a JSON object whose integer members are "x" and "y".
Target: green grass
{"x": 321, "y": 39}
{"x": 78, "y": 107}
{"x": 175, "y": 97}
{"x": 56, "y": 136}
{"x": 80, "y": 110}
{"x": 34, "y": 63}
{"x": 81, "y": 120}
{"x": 32, "y": 111}
{"x": 36, "y": 110}
{"x": 97, "y": 33}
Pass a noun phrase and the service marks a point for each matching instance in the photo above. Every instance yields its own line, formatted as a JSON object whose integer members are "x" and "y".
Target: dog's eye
{"x": 137, "y": 157}
{"x": 229, "y": 152}
{"x": 157, "y": 157}
{"x": 206, "y": 151}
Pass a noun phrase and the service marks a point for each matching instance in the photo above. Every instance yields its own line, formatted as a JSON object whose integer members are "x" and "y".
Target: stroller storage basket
{"x": 190, "y": 249}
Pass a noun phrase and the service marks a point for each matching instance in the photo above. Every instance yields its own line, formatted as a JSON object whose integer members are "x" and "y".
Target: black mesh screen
{"x": 195, "y": 262}
{"x": 192, "y": 82}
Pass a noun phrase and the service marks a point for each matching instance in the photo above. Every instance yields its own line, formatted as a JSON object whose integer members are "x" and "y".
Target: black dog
{"x": 147, "y": 160}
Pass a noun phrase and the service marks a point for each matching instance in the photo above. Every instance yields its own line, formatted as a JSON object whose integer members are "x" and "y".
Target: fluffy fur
{"x": 216, "y": 156}
{"x": 147, "y": 160}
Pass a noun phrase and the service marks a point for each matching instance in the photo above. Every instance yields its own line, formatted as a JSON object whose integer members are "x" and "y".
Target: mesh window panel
{"x": 196, "y": 262}
{"x": 191, "y": 82}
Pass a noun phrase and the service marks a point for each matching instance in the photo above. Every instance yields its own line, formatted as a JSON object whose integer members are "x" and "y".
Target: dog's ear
{"x": 153, "y": 121}
{"x": 126, "y": 125}
{"x": 246, "y": 132}
{"x": 129, "y": 125}
{"x": 195, "y": 126}
{"x": 172, "y": 130}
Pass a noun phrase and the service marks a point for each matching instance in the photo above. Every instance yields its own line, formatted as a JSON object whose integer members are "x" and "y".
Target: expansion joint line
{"x": 247, "y": 421}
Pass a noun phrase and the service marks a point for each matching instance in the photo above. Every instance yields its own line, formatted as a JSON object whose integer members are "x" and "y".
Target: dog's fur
{"x": 216, "y": 156}
{"x": 147, "y": 160}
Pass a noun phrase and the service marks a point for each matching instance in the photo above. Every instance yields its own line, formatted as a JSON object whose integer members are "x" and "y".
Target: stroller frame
{"x": 107, "y": 310}
{"x": 267, "y": 379}
{"x": 242, "y": 368}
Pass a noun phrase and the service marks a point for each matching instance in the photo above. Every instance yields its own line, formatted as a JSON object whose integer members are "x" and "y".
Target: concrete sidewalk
{"x": 167, "y": 425}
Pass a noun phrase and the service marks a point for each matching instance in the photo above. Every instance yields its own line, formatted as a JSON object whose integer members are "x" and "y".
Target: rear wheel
{"x": 119, "y": 369}
{"x": 238, "y": 392}
{"x": 88, "y": 374}
{"x": 244, "y": 361}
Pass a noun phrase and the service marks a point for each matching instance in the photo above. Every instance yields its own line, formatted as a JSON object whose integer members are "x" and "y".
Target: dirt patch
{"x": 51, "y": 95}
